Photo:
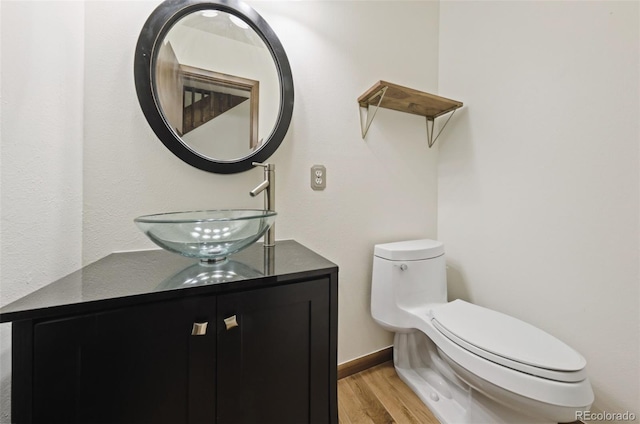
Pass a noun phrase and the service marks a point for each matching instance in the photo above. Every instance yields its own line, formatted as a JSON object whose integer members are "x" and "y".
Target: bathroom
{"x": 533, "y": 186}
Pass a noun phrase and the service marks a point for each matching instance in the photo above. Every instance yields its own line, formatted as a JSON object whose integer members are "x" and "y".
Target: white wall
{"x": 539, "y": 176}
{"x": 94, "y": 164}
{"x": 40, "y": 154}
{"x": 225, "y": 137}
{"x": 378, "y": 190}
{"x": 540, "y": 167}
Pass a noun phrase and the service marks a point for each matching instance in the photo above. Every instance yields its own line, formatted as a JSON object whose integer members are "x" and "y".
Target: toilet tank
{"x": 407, "y": 275}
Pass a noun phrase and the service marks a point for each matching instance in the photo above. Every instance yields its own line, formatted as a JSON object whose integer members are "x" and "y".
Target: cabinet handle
{"x": 231, "y": 322}
{"x": 199, "y": 329}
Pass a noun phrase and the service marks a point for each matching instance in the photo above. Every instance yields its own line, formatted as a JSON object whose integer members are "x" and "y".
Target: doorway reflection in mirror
{"x": 212, "y": 104}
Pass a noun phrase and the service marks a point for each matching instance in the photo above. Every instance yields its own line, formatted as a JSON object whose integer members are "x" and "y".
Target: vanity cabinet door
{"x": 132, "y": 365}
{"x": 274, "y": 366}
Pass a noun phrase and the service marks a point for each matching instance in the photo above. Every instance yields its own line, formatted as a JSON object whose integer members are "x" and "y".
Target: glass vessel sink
{"x": 210, "y": 235}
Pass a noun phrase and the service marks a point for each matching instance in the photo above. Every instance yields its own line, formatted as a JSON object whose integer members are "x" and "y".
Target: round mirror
{"x": 214, "y": 83}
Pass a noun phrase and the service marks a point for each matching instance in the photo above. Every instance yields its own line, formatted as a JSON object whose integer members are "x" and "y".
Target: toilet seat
{"x": 507, "y": 341}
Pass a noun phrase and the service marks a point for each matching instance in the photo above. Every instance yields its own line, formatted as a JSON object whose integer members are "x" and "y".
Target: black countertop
{"x": 129, "y": 278}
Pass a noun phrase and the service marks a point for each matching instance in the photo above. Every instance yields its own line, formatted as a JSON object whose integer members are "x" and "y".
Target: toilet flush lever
{"x": 403, "y": 267}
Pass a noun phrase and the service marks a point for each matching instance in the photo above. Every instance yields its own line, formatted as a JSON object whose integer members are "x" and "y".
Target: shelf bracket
{"x": 365, "y": 123}
{"x": 430, "y": 128}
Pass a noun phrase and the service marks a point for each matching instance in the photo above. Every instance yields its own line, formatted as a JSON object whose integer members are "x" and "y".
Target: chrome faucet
{"x": 269, "y": 184}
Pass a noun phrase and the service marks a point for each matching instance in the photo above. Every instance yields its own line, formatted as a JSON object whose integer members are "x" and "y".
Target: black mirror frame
{"x": 153, "y": 32}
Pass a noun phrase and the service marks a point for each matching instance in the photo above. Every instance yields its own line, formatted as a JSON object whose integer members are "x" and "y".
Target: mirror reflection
{"x": 217, "y": 85}
{"x": 204, "y": 275}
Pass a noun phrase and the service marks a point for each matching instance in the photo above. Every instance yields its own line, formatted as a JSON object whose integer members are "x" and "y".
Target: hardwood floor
{"x": 378, "y": 396}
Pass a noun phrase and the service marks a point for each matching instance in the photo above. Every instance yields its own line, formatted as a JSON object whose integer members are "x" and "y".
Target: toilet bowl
{"x": 467, "y": 363}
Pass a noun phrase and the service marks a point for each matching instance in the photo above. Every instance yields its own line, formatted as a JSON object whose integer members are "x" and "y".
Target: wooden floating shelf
{"x": 408, "y": 100}
{"x": 393, "y": 96}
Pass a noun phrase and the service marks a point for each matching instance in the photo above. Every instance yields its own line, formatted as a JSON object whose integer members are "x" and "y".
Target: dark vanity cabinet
{"x": 257, "y": 345}
{"x": 274, "y": 367}
{"x": 127, "y": 365}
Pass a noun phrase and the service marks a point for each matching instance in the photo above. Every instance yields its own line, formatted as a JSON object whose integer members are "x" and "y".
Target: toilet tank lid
{"x": 411, "y": 250}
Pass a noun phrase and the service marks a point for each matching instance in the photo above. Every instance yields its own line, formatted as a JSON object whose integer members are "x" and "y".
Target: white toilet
{"x": 467, "y": 363}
